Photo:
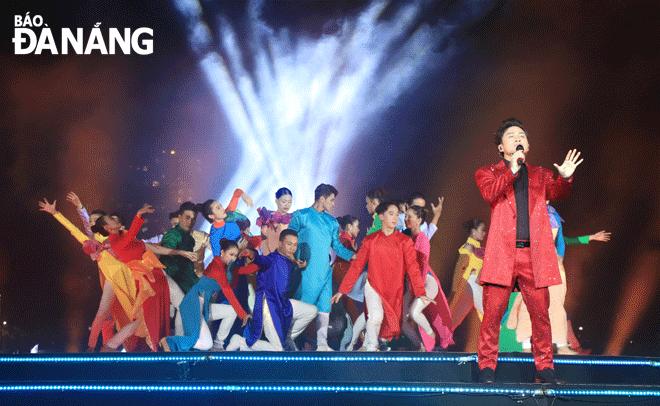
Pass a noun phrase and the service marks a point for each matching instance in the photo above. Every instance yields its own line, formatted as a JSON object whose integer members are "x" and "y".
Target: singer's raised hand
{"x": 571, "y": 162}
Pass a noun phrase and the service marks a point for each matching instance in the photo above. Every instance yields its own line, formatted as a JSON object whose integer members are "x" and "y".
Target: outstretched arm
{"x": 75, "y": 200}
{"x": 437, "y": 212}
{"x": 599, "y": 236}
{"x": 354, "y": 271}
{"x": 221, "y": 277}
{"x": 50, "y": 208}
{"x": 339, "y": 248}
{"x": 160, "y": 250}
{"x": 239, "y": 194}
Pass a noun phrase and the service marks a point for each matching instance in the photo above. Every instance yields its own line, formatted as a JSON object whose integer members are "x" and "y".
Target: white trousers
{"x": 477, "y": 292}
{"x": 303, "y": 314}
{"x": 176, "y": 296}
{"x": 217, "y": 311}
{"x": 375, "y": 319}
{"x": 414, "y": 310}
{"x": 358, "y": 328}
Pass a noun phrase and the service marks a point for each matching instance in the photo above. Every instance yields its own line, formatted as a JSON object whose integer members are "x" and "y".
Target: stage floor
{"x": 309, "y": 378}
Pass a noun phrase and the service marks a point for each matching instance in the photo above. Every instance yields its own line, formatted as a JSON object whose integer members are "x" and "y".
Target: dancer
{"x": 438, "y": 314}
{"x": 373, "y": 199}
{"x": 351, "y": 227}
{"x": 153, "y": 298}
{"x": 174, "y": 218}
{"x": 221, "y": 228}
{"x": 197, "y": 310}
{"x": 273, "y": 222}
{"x": 466, "y": 293}
{"x": 390, "y": 255}
{"x": 526, "y": 261}
{"x": 319, "y": 231}
{"x": 115, "y": 277}
{"x": 253, "y": 241}
{"x": 181, "y": 269}
{"x": 279, "y": 319}
{"x": 418, "y": 199}
{"x": 110, "y": 309}
{"x": 216, "y": 215}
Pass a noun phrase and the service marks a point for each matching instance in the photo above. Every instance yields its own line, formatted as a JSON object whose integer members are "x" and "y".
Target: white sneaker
{"x": 324, "y": 348}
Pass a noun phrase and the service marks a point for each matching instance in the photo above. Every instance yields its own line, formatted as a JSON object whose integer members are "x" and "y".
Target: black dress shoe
{"x": 487, "y": 375}
{"x": 547, "y": 375}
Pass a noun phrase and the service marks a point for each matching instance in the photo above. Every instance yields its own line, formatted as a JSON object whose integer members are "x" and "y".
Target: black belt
{"x": 522, "y": 244}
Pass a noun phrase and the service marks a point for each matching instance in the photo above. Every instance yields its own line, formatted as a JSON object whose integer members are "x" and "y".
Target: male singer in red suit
{"x": 520, "y": 253}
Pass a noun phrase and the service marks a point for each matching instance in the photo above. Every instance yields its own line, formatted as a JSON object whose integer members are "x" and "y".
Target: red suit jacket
{"x": 496, "y": 185}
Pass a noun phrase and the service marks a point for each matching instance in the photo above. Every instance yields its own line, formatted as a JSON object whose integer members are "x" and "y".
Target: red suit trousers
{"x": 496, "y": 300}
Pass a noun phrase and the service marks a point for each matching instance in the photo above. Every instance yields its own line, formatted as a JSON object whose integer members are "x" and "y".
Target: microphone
{"x": 520, "y": 148}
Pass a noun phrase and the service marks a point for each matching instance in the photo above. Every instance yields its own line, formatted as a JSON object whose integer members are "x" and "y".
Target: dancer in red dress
{"x": 153, "y": 298}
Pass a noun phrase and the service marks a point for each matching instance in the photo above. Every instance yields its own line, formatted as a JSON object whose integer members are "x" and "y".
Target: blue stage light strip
{"x": 237, "y": 357}
{"x": 118, "y": 358}
{"x": 337, "y": 389}
{"x": 271, "y": 388}
{"x": 601, "y": 392}
{"x": 590, "y": 361}
{"x": 319, "y": 358}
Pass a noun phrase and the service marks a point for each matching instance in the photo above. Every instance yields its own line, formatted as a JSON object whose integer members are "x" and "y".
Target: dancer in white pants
{"x": 277, "y": 318}
{"x": 390, "y": 256}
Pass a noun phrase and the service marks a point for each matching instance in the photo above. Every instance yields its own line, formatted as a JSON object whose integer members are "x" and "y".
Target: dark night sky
{"x": 579, "y": 74}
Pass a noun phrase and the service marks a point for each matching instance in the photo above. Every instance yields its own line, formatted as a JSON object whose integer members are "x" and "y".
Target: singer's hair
{"x": 512, "y": 122}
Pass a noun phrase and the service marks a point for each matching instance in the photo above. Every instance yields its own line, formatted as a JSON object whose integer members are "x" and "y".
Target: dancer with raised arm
{"x": 520, "y": 253}
{"x": 520, "y": 319}
{"x": 215, "y": 214}
{"x": 433, "y": 320}
{"x": 115, "y": 277}
{"x": 418, "y": 199}
{"x": 153, "y": 298}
